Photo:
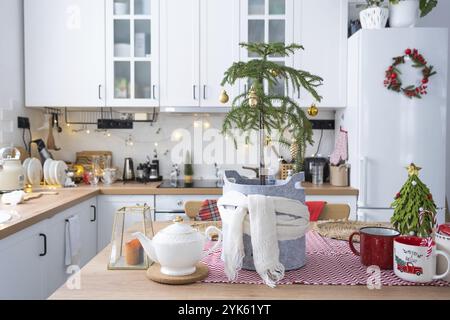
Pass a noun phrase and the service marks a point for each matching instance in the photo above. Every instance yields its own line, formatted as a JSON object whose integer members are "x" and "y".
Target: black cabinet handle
{"x": 95, "y": 213}
{"x": 100, "y": 92}
{"x": 153, "y": 92}
{"x": 194, "y": 89}
{"x": 204, "y": 92}
{"x": 45, "y": 244}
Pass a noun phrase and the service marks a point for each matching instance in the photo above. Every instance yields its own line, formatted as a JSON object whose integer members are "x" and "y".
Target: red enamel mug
{"x": 376, "y": 246}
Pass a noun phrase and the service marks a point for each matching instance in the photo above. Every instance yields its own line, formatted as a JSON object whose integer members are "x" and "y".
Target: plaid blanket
{"x": 209, "y": 211}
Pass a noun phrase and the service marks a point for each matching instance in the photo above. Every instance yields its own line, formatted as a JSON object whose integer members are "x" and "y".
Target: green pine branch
{"x": 279, "y": 113}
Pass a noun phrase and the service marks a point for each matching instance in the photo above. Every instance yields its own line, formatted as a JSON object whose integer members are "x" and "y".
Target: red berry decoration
{"x": 397, "y": 195}
{"x": 430, "y": 197}
{"x": 392, "y": 79}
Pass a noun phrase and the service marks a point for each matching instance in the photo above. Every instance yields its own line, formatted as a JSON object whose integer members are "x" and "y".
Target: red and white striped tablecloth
{"x": 328, "y": 262}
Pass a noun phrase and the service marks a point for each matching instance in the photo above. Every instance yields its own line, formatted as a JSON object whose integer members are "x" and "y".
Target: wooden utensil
{"x": 50, "y": 137}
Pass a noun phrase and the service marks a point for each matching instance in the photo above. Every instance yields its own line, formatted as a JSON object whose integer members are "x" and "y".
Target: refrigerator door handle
{"x": 363, "y": 182}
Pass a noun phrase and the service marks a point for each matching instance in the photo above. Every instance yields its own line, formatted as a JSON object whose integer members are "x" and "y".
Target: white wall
{"x": 11, "y": 71}
{"x": 440, "y": 17}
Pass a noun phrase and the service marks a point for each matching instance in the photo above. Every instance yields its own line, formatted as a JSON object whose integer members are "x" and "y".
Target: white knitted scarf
{"x": 265, "y": 228}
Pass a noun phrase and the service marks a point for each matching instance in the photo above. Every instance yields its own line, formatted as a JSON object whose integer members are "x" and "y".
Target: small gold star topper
{"x": 413, "y": 170}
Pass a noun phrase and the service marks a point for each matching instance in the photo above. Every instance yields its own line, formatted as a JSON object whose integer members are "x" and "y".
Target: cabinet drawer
{"x": 176, "y": 202}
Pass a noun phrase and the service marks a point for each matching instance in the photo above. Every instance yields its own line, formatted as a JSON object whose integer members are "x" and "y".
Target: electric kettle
{"x": 12, "y": 174}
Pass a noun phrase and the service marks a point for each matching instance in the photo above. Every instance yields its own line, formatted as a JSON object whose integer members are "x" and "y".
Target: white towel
{"x": 263, "y": 229}
{"x": 233, "y": 208}
{"x": 73, "y": 241}
{"x": 264, "y": 226}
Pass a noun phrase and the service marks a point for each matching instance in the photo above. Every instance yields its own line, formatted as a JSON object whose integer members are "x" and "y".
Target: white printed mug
{"x": 415, "y": 259}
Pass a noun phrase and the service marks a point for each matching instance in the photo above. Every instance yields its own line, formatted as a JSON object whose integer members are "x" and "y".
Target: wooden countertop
{"x": 100, "y": 283}
{"x": 36, "y": 210}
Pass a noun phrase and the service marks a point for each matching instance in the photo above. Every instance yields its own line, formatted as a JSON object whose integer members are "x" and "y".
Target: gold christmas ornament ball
{"x": 223, "y": 97}
{"x": 273, "y": 72}
{"x": 313, "y": 110}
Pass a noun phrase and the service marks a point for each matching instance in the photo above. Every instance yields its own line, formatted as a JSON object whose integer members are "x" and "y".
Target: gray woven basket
{"x": 292, "y": 252}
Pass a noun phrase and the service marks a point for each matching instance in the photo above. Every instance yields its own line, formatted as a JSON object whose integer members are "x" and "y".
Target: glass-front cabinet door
{"x": 267, "y": 21}
{"x": 132, "y": 53}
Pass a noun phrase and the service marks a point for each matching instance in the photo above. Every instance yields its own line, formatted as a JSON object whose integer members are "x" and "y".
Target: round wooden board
{"x": 154, "y": 274}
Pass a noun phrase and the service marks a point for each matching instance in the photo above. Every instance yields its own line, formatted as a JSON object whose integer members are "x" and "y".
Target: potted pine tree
{"x": 265, "y": 111}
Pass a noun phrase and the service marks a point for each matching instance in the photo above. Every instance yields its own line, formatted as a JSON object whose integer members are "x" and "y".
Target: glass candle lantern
{"x": 126, "y": 250}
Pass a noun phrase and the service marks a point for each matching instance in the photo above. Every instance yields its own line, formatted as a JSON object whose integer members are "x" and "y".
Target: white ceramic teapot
{"x": 178, "y": 247}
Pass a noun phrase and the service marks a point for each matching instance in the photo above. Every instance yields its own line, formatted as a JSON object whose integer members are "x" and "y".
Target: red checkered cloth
{"x": 209, "y": 211}
{"x": 329, "y": 262}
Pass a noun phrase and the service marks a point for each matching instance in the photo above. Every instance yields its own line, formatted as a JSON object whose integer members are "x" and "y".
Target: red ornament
{"x": 425, "y": 80}
{"x": 408, "y": 51}
{"x": 430, "y": 197}
{"x": 393, "y": 75}
{"x": 397, "y": 195}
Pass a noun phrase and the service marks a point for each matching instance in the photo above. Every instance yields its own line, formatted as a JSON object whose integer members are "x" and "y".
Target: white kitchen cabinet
{"x": 180, "y": 51}
{"x": 321, "y": 27}
{"x": 267, "y": 21}
{"x": 56, "y": 270}
{"x": 22, "y": 264}
{"x": 107, "y": 207}
{"x": 132, "y": 53}
{"x": 219, "y": 48}
{"x": 64, "y": 51}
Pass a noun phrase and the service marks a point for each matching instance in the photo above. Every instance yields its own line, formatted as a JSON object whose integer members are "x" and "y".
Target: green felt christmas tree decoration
{"x": 414, "y": 208}
{"x": 262, "y": 110}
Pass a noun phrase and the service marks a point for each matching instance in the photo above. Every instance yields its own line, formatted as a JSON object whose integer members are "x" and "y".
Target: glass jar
{"x": 95, "y": 171}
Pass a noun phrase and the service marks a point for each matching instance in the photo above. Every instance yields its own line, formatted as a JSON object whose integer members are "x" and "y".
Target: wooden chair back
{"x": 331, "y": 211}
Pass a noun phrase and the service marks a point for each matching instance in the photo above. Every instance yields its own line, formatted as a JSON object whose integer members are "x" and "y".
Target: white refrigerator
{"x": 387, "y": 130}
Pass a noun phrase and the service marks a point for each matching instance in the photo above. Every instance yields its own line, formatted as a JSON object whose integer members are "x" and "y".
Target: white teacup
{"x": 415, "y": 259}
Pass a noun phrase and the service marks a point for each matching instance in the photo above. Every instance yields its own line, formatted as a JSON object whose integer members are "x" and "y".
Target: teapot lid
{"x": 178, "y": 227}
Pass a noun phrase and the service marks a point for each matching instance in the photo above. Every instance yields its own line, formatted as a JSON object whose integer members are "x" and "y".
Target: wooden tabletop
{"x": 99, "y": 283}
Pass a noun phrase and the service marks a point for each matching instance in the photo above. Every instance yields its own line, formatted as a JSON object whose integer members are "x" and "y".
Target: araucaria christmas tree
{"x": 414, "y": 208}
{"x": 264, "y": 110}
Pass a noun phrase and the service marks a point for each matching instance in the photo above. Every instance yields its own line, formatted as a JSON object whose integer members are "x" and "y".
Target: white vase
{"x": 374, "y": 17}
{"x": 404, "y": 14}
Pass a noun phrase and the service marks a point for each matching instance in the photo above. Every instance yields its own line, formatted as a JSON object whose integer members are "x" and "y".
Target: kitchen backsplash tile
{"x": 170, "y": 137}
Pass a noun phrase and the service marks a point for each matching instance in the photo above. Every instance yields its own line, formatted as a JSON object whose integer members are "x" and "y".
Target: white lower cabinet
{"x": 32, "y": 261}
{"x": 108, "y": 205}
{"x": 55, "y": 265}
{"x": 22, "y": 264}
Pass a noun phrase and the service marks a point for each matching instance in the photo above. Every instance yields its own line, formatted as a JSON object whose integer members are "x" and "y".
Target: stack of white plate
{"x": 55, "y": 172}
{"x": 33, "y": 171}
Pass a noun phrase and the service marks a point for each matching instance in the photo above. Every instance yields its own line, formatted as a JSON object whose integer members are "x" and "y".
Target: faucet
{"x": 255, "y": 169}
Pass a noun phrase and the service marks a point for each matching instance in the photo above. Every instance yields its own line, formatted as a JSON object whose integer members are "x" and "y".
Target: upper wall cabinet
{"x": 64, "y": 53}
{"x": 199, "y": 41}
{"x": 132, "y": 53}
{"x": 321, "y": 27}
